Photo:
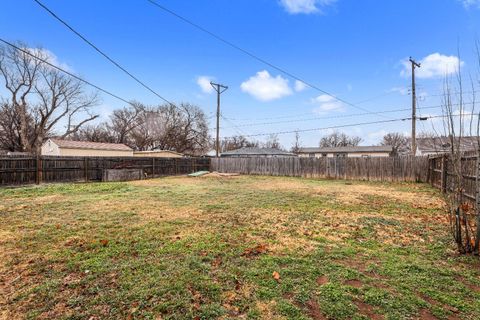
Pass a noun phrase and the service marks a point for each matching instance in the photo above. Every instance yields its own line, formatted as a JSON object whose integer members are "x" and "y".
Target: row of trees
{"x": 182, "y": 128}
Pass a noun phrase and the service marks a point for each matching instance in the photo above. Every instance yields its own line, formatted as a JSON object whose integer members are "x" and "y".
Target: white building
{"x": 349, "y": 152}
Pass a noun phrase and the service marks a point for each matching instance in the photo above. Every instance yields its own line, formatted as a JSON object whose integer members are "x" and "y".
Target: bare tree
{"x": 181, "y": 128}
{"x": 61, "y": 98}
{"x": 296, "y": 144}
{"x": 237, "y": 142}
{"x": 95, "y": 133}
{"x": 273, "y": 142}
{"x": 397, "y": 140}
{"x": 339, "y": 139}
{"x": 461, "y": 119}
{"x": 10, "y": 124}
{"x": 125, "y": 120}
{"x": 20, "y": 72}
{"x": 42, "y": 98}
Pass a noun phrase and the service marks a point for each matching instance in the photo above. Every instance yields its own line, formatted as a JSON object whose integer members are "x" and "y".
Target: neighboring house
{"x": 257, "y": 152}
{"x": 58, "y": 147}
{"x": 157, "y": 154}
{"x": 440, "y": 145}
{"x": 349, "y": 152}
{"x": 14, "y": 153}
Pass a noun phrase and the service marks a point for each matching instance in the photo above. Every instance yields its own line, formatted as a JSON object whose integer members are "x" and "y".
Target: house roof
{"x": 443, "y": 144}
{"x": 70, "y": 144}
{"x": 357, "y": 149}
{"x": 257, "y": 151}
{"x": 157, "y": 151}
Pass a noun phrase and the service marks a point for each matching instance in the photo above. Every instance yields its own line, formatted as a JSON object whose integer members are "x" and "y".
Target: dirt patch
{"x": 368, "y": 310}
{"x": 314, "y": 310}
{"x": 220, "y": 175}
{"x": 425, "y": 314}
{"x": 354, "y": 283}
{"x": 322, "y": 280}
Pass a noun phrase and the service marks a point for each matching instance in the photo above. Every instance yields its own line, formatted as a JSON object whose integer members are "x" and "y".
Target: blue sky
{"x": 350, "y": 48}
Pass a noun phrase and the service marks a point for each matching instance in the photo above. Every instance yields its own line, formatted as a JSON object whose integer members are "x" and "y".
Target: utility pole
{"x": 414, "y": 107}
{"x": 220, "y": 89}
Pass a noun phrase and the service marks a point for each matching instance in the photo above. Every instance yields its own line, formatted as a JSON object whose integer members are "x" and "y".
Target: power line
{"x": 101, "y": 52}
{"x": 250, "y": 54}
{"x": 316, "y": 118}
{"x": 65, "y": 71}
{"x": 235, "y": 127}
{"x": 336, "y": 117}
{"x": 354, "y": 125}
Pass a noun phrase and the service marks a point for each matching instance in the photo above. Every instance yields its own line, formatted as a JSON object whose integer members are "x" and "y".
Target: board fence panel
{"x": 406, "y": 168}
{"x": 46, "y": 169}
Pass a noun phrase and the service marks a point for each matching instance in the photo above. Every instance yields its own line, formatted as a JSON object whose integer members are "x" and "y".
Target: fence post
{"x": 85, "y": 168}
{"x": 39, "y": 169}
{"x": 429, "y": 174}
{"x": 444, "y": 174}
{"x": 327, "y": 168}
{"x": 367, "y": 164}
{"x": 153, "y": 167}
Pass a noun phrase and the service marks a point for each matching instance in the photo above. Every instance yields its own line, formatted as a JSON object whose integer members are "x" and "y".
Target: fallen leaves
{"x": 276, "y": 276}
{"x": 255, "y": 251}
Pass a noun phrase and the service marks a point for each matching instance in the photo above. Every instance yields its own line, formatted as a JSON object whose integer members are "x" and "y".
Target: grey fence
{"x": 406, "y": 168}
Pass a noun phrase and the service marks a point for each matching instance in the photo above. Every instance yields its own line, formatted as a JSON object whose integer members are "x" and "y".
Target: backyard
{"x": 232, "y": 247}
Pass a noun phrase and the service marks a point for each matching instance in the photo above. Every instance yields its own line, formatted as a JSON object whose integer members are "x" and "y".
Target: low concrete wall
{"x": 122, "y": 174}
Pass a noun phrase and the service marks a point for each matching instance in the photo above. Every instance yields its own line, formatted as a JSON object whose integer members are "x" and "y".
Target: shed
{"x": 59, "y": 147}
{"x": 157, "y": 154}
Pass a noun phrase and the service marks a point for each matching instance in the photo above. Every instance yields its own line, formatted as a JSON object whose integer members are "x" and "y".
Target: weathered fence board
{"x": 442, "y": 175}
{"x": 29, "y": 170}
{"x": 373, "y": 169}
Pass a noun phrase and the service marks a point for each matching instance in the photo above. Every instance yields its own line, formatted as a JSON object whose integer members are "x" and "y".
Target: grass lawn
{"x": 236, "y": 247}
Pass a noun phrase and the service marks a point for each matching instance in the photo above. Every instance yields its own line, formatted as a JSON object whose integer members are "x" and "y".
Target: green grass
{"x": 181, "y": 248}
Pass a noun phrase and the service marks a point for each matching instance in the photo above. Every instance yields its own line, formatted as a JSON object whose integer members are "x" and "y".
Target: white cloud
{"x": 434, "y": 65}
{"x": 470, "y": 3}
{"x": 300, "y": 86}
{"x": 327, "y": 103}
{"x": 264, "y": 87}
{"x": 50, "y": 57}
{"x": 305, "y": 6}
{"x": 204, "y": 84}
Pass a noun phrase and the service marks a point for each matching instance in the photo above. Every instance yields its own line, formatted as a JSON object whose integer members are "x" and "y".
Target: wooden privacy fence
{"x": 28, "y": 170}
{"x": 407, "y": 168}
{"x": 442, "y": 175}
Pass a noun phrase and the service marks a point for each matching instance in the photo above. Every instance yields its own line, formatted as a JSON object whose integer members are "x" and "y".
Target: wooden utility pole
{"x": 414, "y": 107}
{"x": 220, "y": 89}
